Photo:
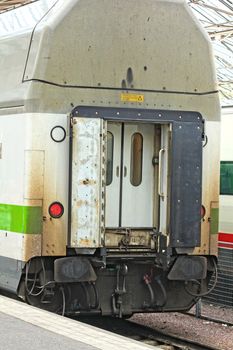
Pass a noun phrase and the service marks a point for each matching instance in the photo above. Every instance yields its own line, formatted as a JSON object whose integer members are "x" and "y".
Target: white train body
{"x": 226, "y": 193}
{"x": 222, "y": 293}
{"x": 95, "y": 97}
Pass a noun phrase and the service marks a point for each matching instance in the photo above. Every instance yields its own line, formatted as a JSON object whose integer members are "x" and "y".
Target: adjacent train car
{"x": 223, "y": 292}
{"x": 109, "y": 157}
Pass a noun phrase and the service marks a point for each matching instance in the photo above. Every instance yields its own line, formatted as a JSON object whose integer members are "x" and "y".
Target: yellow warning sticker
{"x": 132, "y": 98}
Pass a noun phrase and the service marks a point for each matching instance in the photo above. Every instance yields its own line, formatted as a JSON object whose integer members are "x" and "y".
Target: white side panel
{"x": 14, "y": 140}
{"x": 19, "y": 246}
{"x": 34, "y": 174}
{"x": 86, "y": 183}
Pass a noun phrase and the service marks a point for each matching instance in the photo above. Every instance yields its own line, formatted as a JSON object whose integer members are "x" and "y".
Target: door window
{"x": 136, "y": 159}
{"x": 109, "y": 171}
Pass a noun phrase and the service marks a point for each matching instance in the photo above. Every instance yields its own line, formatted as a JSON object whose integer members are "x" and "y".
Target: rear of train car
{"x": 109, "y": 159}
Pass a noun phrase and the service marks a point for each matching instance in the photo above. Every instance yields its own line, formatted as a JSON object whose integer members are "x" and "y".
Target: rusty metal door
{"x": 87, "y": 217}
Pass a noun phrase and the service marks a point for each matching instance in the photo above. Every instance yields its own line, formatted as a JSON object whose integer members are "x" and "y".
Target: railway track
{"x": 210, "y": 319}
{"x": 145, "y": 334}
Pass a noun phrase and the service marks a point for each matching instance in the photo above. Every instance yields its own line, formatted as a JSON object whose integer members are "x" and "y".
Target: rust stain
{"x": 31, "y": 246}
{"x": 87, "y": 182}
{"x": 136, "y": 238}
{"x": 81, "y": 202}
{"x": 87, "y": 203}
{"x": 85, "y": 242}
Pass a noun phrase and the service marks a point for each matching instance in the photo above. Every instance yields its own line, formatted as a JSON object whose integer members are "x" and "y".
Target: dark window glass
{"x": 136, "y": 159}
{"x": 226, "y": 178}
{"x": 109, "y": 170}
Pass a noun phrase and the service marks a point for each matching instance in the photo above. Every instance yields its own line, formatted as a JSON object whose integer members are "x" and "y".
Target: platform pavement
{"x": 24, "y": 327}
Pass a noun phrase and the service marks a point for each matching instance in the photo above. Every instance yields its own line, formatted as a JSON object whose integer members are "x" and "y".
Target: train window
{"x": 109, "y": 171}
{"x": 226, "y": 178}
{"x": 136, "y": 159}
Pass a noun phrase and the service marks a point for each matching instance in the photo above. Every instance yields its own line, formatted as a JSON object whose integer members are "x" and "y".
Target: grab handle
{"x": 160, "y": 190}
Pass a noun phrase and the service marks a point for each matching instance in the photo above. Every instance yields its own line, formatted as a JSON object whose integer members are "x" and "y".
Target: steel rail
{"x": 177, "y": 342}
{"x": 143, "y": 333}
{"x": 211, "y": 319}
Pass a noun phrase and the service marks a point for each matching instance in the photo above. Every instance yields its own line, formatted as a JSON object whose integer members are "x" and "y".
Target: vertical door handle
{"x": 125, "y": 171}
{"x": 160, "y": 179}
{"x": 117, "y": 171}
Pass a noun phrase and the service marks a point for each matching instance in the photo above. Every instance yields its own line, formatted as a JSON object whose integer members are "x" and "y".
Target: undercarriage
{"x": 117, "y": 286}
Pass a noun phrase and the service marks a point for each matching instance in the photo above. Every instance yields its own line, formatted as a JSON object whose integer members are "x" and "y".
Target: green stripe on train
{"x": 214, "y": 217}
{"x": 21, "y": 219}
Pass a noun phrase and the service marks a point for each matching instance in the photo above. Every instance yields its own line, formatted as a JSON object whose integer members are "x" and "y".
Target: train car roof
{"x": 58, "y": 53}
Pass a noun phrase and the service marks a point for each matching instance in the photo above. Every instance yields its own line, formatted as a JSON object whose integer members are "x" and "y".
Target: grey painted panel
{"x": 136, "y": 114}
{"x": 186, "y": 172}
{"x": 10, "y": 273}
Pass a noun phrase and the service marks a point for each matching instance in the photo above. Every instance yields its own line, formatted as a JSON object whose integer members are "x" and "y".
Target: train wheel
{"x": 40, "y": 288}
{"x": 49, "y": 299}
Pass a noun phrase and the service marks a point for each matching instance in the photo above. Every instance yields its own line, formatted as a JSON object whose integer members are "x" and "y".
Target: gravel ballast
{"x": 205, "y": 332}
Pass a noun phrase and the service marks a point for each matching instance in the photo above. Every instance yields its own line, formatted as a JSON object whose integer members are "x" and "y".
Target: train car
{"x": 109, "y": 157}
{"x": 222, "y": 293}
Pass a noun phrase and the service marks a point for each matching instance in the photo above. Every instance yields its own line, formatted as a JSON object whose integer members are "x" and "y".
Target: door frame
{"x": 121, "y": 182}
{"x": 187, "y": 136}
